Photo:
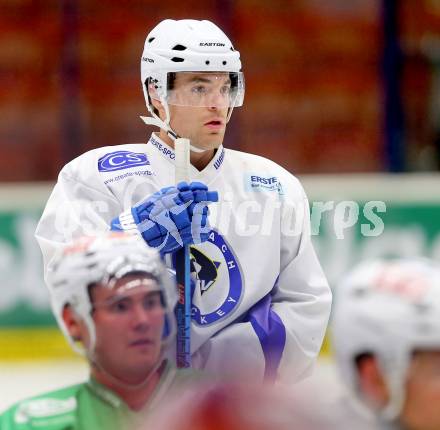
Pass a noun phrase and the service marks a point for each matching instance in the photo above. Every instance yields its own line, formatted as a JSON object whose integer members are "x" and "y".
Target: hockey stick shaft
{"x": 183, "y": 308}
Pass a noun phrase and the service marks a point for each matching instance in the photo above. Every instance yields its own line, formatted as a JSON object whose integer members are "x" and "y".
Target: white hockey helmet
{"x": 387, "y": 309}
{"x": 104, "y": 259}
{"x": 187, "y": 46}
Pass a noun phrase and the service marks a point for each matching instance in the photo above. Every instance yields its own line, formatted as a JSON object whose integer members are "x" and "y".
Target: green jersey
{"x": 86, "y": 406}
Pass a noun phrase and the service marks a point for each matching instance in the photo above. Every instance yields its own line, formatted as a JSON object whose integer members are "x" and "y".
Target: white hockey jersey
{"x": 261, "y": 301}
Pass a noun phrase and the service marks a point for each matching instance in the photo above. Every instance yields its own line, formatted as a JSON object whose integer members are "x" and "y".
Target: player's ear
{"x": 155, "y": 101}
{"x": 72, "y": 322}
{"x": 372, "y": 382}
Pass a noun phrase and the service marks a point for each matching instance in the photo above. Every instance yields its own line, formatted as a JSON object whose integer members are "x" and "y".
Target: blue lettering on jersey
{"x": 233, "y": 295}
{"x": 119, "y": 160}
{"x": 163, "y": 148}
{"x": 220, "y": 159}
{"x": 254, "y": 182}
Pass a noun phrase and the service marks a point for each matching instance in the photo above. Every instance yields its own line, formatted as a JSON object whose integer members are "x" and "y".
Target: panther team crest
{"x": 211, "y": 300}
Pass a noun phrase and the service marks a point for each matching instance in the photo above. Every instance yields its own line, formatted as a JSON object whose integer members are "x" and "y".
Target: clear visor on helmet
{"x": 204, "y": 89}
{"x": 135, "y": 291}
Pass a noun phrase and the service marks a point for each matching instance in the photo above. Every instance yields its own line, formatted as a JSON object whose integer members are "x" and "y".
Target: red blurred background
{"x": 69, "y": 80}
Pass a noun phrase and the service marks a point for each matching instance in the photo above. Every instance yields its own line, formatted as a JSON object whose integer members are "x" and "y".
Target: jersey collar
{"x": 105, "y": 393}
{"x": 205, "y": 175}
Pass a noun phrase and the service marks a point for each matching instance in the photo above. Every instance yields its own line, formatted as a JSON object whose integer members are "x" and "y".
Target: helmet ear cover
{"x": 150, "y": 82}
{"x": 147, "y": 84}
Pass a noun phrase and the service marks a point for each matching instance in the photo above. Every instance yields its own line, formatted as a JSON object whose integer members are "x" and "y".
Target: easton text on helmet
{"x": 211, "y": 44}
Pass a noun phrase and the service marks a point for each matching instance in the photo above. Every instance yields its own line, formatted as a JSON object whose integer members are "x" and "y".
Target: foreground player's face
{"x": 421, "y": 409}
{"x": 129, "y": 326}
{"x": 204, "y": 125}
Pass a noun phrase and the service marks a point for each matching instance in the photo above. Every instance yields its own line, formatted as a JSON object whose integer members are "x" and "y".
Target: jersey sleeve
{"x": 75, "y": 208}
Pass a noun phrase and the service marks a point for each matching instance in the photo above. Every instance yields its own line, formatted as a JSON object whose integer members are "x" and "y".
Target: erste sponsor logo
{"x": 255, "y": 182}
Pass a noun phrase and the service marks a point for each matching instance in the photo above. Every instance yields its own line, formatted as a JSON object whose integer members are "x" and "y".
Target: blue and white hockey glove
{"x": 172, "y": 217}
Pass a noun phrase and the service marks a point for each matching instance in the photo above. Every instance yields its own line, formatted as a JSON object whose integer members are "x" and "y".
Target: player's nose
{"x": 217, "y": 100}
{"x": 140, "y": 317}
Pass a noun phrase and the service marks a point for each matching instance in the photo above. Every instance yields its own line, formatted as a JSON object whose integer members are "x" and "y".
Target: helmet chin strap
{"x": 170, "y": 132}
{"x": 394, "y": 380}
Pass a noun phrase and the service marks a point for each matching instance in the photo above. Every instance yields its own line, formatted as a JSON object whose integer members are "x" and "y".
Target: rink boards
{"x": 354, "y": 217}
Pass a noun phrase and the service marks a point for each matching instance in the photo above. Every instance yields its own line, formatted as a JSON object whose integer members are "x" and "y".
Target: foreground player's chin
{"x": 210, "y": 144}
{"x": 214, "y": 145}
{"x": 216, "y": 139}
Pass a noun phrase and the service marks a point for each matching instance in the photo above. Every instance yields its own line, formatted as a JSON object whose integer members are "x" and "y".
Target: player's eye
{"x": 199, "y": 89}
{"x": 152, "y": 302}
{"x": 225, "y": 90}
{"x": 120, "y": 306}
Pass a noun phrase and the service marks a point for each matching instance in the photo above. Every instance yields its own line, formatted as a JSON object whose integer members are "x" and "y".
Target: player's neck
{"x": 135, "y": 398}
{"x": 201, "y": 159}
{"x": 198, "y": 159}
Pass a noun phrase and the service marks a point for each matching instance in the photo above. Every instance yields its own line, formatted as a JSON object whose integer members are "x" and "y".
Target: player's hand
{"x": 174, "y": 216}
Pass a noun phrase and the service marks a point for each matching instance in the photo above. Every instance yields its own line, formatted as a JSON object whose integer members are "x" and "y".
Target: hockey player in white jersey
{"x": 260, "y": 301}
{"x": 386, "y": 335}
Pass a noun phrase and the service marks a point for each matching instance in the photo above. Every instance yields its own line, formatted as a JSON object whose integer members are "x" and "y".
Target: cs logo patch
{"x": 120, "y": 160}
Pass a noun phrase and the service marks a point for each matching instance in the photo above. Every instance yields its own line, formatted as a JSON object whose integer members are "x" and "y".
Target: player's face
{"x": 421, "y": 409}
{"x": 129, "y": 325}
{"x": 199, "y": 107}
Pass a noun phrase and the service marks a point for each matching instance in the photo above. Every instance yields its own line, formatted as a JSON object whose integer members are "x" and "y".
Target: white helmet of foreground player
{"x": 389, "y": 310}
{"x": 188, "y": 46}
{"x": 108, "y": 260}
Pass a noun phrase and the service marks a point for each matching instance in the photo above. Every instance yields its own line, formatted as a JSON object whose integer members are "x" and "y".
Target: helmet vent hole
{"x": 207, "y": 62}
{"x": 151, "y": 39}
{"x": 179, "y": 48}
{"x": 224, "y": 63}
{"x": 177, "y": 59}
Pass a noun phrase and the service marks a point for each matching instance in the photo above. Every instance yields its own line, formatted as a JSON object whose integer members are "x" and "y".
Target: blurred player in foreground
{"x": 386, "y": 335}
{"x": 260, "y": 301}
{"x": 226, "y": 406}
{"x": 113, "y": 300}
